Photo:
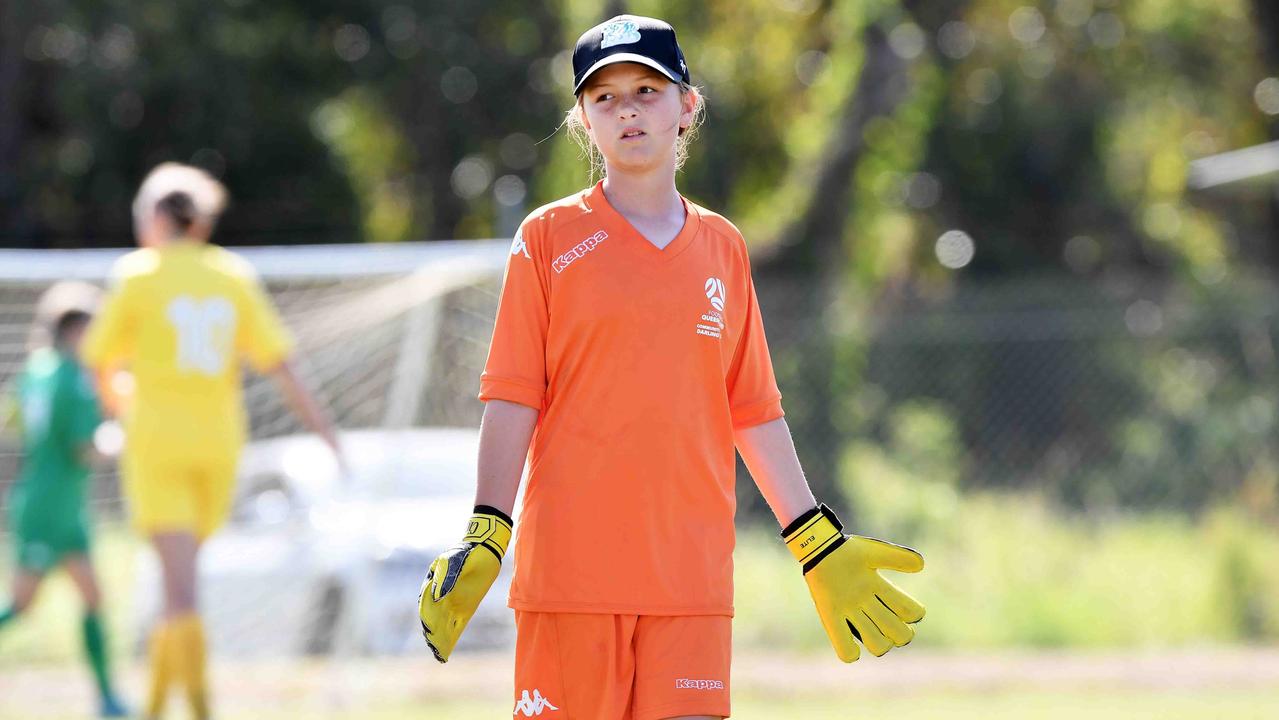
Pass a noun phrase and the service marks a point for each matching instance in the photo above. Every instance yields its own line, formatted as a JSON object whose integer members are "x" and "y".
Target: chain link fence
{"x": 1107, "y": 394}
{"x": 1104, "y": 394}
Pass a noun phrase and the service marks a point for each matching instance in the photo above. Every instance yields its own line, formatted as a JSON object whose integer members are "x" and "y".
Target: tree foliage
{"x": 883, "y": 157}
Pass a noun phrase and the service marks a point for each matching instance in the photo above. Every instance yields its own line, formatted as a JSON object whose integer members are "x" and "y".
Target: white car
{"x": 314, "y": 562}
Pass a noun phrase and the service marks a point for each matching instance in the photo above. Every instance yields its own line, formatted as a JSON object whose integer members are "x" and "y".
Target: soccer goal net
{"x": 392, "y": 339}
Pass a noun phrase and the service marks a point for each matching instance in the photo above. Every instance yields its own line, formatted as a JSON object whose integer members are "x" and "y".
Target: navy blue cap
{"x": 629, "y": 38}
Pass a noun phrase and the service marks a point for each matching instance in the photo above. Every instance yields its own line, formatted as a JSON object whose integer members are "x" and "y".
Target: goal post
{"x": 388, "y": 335}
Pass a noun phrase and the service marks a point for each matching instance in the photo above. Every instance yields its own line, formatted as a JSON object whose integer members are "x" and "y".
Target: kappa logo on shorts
{"x": 686, "y": 684}
{"x": 579, "y": 251}
{"x": 532, "y": 706}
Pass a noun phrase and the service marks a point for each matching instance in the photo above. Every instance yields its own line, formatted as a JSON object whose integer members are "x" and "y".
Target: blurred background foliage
{"x": 1057, "y": 134}
{"x": 995, "y": 296}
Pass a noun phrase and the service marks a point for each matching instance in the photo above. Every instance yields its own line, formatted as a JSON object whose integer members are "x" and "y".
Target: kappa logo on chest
{"x": 578, "y": 251}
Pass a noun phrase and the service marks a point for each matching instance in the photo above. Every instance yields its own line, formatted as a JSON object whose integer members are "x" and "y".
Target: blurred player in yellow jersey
{"x": 181, "y": 315}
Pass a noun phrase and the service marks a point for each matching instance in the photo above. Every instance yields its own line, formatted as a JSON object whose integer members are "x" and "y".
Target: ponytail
{"x": 179, "y": 207}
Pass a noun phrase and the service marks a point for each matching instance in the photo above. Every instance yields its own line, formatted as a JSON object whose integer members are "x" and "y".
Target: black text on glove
{"x": 853, "y": 600}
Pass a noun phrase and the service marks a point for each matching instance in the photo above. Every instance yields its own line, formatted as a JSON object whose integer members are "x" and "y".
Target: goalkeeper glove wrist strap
{"x": 490, "y": 528}
{"x": 814, "y": 535}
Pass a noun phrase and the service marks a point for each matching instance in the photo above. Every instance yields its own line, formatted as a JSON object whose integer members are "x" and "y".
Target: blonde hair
{"x": 207, "y": 196}
{"x": 576, "y": 127}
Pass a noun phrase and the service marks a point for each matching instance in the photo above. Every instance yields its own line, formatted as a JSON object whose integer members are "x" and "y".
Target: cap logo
{"x": 622, "y": 32}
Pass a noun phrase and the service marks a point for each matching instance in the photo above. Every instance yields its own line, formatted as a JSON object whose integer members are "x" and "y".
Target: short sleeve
{"x": 111, "y": 335}
{"x": 516, "y": 367}
{"x": 753, "y": 396}
{"x": 260, "y": 336}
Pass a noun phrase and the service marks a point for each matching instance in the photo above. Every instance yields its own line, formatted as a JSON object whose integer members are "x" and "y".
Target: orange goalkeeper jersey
{"x": 642, "y": 362}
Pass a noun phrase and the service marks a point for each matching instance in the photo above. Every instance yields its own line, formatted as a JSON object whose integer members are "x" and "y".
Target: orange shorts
{"x": 621, "y": 667}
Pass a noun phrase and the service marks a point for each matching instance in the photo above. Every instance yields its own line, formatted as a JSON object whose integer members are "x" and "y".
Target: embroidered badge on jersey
{"x": 622, "y": 32}
{"x": 711, "y": 323}
{"x": 715, "y": 293}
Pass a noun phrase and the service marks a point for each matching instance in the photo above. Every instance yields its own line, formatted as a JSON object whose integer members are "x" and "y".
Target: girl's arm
{"x": 298, "y": 398}
{"x": 505, "y": 433}
{"x": 854, "y": 602}
{"x": 770, "y": 456}
{"x": 459, "y": 578}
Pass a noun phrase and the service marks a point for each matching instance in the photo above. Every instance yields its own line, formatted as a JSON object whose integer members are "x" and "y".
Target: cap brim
{"x": 628, "y": 57}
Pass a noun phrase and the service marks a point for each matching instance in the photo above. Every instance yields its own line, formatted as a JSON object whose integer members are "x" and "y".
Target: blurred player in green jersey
{"x": 57, "y": 409}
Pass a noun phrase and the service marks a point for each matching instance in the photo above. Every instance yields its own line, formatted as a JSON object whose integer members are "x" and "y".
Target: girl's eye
{"x": 604, "y": 96}
{"x": 647, "y": 89}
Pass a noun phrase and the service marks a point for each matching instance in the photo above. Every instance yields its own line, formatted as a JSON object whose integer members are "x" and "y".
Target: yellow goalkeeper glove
{"x": 459, "y": 578}
{"x": 852, "y": 599}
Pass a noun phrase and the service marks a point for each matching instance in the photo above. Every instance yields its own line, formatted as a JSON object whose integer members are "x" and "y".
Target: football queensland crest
{"x": 715, "y": 293}
{"x": 622, "y": 32}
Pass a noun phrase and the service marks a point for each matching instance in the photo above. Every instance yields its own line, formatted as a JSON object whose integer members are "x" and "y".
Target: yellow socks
{"x": 190, "y": 662}
{"x": 161, "y": 669}
{"x": 178, "y": 655}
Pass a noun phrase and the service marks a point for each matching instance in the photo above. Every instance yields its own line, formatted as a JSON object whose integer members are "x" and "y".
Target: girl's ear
{"x": 581, "y": 114}
{"x": 690, "y": 99}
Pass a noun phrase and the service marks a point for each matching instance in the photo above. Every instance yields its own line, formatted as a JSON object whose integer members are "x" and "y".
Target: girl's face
{"x": 73, "y": 337}
{"x": 634, "y": 115}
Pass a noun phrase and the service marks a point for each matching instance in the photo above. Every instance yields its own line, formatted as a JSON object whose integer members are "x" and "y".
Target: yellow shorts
{"x": 175, "y": 494}
{"x": 627, "y": 667}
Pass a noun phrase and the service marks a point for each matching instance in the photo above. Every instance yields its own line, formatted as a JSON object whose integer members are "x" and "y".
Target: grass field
{"x": 1004, "y": 571}
{"x": 960, "y": 667}
{"x": 1001, "y": 706}
{"x": 910, "y": 685}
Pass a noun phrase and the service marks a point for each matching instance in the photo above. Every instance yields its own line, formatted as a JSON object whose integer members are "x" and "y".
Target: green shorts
{"x": 40, "y": 555}
{"x": 42, "y": 540}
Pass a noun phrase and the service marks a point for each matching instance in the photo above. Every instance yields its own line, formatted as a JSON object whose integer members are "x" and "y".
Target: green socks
{"x": 95, "y": 646}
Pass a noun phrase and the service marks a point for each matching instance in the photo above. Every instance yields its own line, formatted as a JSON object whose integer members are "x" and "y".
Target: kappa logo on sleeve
{"x": 532, "y": 706}
{"x": 579, "y": 250}
{"x": 518, "y": 246}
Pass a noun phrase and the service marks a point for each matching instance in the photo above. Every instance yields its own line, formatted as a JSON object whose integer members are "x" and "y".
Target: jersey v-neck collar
{"x": 598, "y": 202}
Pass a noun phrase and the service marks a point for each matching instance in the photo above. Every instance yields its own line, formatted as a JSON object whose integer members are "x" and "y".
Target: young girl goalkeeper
{"x": 629, "y": 357}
